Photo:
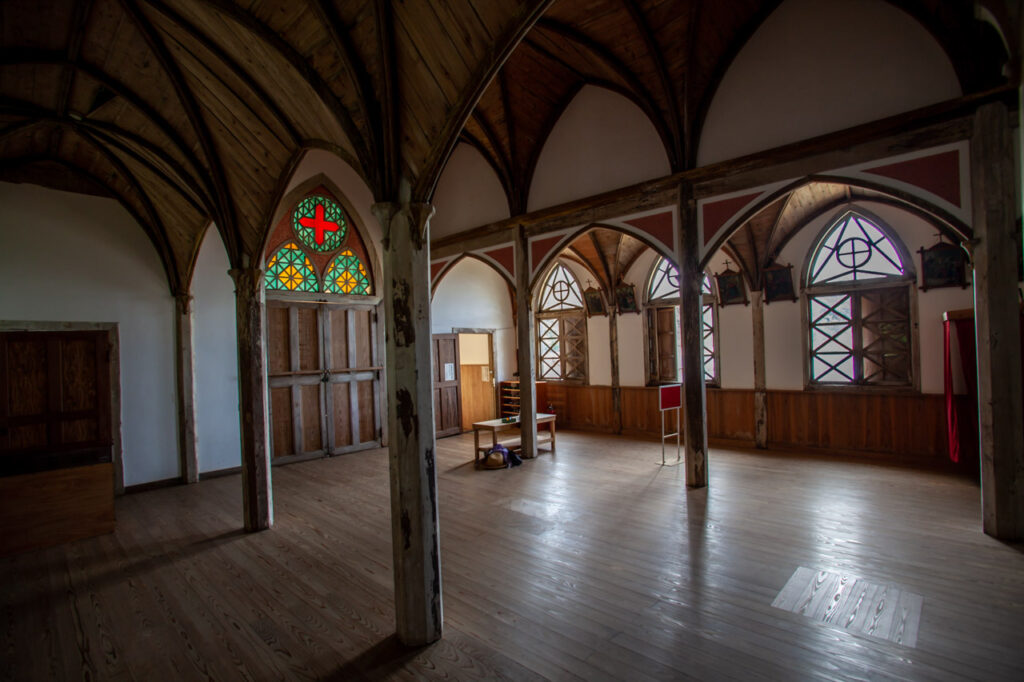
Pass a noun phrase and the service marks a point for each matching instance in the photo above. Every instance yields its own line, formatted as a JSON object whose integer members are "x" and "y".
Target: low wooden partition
{"x": 899, "y": 426}
{"x": 47, "y": 508}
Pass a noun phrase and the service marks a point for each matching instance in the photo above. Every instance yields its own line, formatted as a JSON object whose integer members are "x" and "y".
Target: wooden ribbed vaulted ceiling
{"x": 192, "y": 111}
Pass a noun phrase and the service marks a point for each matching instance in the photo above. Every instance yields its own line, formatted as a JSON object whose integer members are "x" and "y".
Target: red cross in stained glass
{"x": 319, "y": 224}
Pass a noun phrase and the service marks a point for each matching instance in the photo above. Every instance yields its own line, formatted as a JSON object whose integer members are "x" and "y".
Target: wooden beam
{"x": 691, "y": 301}
{"x": 389, "y": 152}
{"x": 920, "y": 129}
{"x": 997, "y": 326}
{"x": 257, "y": 494}
{"x": 79, "y": 20}
{"x": 184, "y": 347}
{"x": 527, "y": 352}
{"x": 411, "y": 450}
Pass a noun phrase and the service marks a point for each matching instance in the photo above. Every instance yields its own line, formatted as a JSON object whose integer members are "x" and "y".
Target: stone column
{"x": 527, "y": 351}
{"x": 997, "y": 329}
{"x": 184, "y": 350}
{"x": 691, "y": 301}
{"x": 760, "y": 384}
{"x": 414, "y": 521}
{"x": 257, "y": 496}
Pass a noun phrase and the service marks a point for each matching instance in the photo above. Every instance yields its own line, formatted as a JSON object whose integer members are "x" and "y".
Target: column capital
{"x": 183, "y": 301}
{"x": 247, "y": 280}
{"x": 416, "y": 215}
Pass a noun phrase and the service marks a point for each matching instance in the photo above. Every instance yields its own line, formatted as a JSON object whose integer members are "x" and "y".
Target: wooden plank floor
{"x": 591, "y": 564}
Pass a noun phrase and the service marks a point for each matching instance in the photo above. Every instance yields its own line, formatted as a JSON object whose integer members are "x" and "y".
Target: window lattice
{"x": 319, "y": 223}
{"x": 561, "y": 291}
{"x": 854, "y": 250}
{"x": 561, "y": 347}
{"x": 708, "y": 341}
{"x": 347, "y": 275}
{"x": 859, "y": 335}
{"x": 290, "y": 270}
{"x": 665, "y": 282}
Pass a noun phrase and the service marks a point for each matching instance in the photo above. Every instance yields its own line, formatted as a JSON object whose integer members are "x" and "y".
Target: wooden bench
{"x": 513, "y": 443}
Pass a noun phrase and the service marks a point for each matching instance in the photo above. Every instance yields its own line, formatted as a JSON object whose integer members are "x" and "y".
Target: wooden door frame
{"x": 435, "y": 370}
{"x": 322, "y": 303}
{"x": 494, "y": 359}
{"x": 111, "y": 328}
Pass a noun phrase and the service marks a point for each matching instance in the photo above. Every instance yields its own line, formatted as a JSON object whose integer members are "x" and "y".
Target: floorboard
{"x": 593, "y": 563}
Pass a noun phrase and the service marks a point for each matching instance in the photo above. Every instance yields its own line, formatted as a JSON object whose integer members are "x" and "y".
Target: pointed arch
{"x": 475, "y": 256}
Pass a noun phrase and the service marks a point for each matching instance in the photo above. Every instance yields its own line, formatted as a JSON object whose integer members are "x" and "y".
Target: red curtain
{"x": 961, "y": 412}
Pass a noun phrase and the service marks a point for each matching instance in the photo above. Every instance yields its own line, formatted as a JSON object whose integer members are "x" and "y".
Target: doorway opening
{"x": 476, "y": 365}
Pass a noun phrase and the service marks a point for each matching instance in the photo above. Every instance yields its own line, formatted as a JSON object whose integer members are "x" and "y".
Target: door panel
{"x": 322, "y": 354}
{"x": 55, "y": 389}
{"x": 447, "y": 396}
{"x": 281, "y": 436}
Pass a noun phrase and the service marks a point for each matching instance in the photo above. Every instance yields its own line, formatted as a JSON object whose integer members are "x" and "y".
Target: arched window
{"x": 318, "y": 238}
{"x": 664, "y": 351}
{"x": 346, "y": 275}
{"x": 858, "y": 283}
{"x": 561, "y": 328}
{"x": 290, "y": 270}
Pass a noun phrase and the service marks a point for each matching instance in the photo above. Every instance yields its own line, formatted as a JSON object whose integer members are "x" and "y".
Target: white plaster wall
{"x": 473, "y": 296}
{"x": 75, "y": 258}
{"x": 469, "y": 194}
{"x": 601, "y": 142}
{"x": 736, "y": 347}
{"x": 816, "y": 66}
{"x": 599, "y": 351}
{"x": 784, "y": 346}
{"x": 218, "y": 442}
{"x": 631, "y": 350}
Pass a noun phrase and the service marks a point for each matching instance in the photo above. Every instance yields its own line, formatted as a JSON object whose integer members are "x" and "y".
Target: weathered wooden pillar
{"x": 257, "y": 496}
{"x": 184, "y": 352}
{"x": 691, "y": 301}
{"x": 527, "y": 353}
{"x": 415, "y": 535}
{"x": 997, "y": 329}
{"x": 613, "y": 343}
{"x": 760, "y": 384}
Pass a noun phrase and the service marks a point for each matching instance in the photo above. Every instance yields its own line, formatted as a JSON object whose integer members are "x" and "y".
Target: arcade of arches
{"x": 239, "y": 235}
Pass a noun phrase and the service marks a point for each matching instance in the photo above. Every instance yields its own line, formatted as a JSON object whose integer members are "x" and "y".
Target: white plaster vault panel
{"x": 854, "y": 604}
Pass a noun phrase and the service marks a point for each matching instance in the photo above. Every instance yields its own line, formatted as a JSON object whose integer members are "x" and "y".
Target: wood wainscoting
{"x": 905, "y": 427}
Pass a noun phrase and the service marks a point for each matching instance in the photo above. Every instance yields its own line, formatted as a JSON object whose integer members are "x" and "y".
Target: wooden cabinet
{"x": 509, "y": 397}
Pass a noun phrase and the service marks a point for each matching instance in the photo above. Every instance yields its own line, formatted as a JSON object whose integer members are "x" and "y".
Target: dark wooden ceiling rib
{"x": 79, "y": 20}
{"x": 602, "y": 259}
{"x": 305, "y": 70}
{"x": 157, "y": 231}
{"x": 389, "y": 163}
{"x": 12, "y": 56}
{"x": 518, "y": 19}
{"x": 226, "y": 217}
{"x": 204, "y": 41}
{"x": 668, "y": 91}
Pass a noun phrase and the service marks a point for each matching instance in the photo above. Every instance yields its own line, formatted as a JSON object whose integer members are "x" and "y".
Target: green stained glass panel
{"x": 290, "y": 270}
{"x": 319, "y": 223}
{"x": 347, "y": 275}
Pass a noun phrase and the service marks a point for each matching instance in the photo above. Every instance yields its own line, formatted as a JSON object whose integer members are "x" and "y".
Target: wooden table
{"x": 496, "y": 426}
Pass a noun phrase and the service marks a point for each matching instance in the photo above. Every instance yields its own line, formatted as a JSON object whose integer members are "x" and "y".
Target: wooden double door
{"x": 55, "y": 401}
{"x": 324, "y": 375}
